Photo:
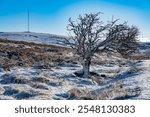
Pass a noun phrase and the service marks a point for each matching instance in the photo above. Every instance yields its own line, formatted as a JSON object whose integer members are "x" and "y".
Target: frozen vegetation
{"x": 36, "y": 71}
{"x": 110, "y": 82}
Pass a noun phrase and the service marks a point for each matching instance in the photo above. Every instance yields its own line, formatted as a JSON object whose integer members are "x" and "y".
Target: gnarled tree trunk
{"x": 86, "y": 68}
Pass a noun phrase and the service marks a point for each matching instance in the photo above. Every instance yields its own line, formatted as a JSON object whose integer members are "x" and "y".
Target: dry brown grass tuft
{"x": 114, "y": 91}
{"x": 96, "y": 80}
{"x": 41, "y": 80}
{"x": 40, "y": 86}
{"x": 2, "y": 90}
{"x": 80, "y": 94}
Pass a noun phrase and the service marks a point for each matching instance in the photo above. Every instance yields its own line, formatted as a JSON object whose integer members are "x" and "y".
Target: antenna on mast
{"x": 28, "y": 21}
{"x": 112, "y": 18}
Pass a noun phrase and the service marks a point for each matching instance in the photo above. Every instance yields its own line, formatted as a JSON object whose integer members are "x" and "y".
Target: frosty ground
{"x": 30, "y": 71}
{"x": 133, "y": 83}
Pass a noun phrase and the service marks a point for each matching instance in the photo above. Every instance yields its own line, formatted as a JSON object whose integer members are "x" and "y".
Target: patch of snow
{"x": 58, "y": 81}
{"x": 141, "y": 80}
{"x": 41, "y": 38}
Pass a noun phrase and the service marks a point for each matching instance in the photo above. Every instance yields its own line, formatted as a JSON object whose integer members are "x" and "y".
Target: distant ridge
{"x": 42, "y": 38}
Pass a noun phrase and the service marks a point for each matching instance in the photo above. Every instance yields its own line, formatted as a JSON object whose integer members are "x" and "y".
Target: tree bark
{"x": 86, "y": 68}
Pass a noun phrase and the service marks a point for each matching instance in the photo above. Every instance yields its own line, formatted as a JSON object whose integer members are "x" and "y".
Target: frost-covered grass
{"x": 38, "y": 72}
{"x": 130, "y": 82}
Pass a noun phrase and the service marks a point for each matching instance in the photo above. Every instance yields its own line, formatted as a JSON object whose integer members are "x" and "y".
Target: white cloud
{"x": 144, "y": 39}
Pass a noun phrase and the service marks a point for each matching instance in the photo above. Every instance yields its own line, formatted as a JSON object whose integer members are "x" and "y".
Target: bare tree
{"x": 123, "y": 38}
{"x": 90, "y": 35}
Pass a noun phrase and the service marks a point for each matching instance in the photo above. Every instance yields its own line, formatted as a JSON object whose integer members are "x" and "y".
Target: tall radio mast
{"x": 28, "y": 21}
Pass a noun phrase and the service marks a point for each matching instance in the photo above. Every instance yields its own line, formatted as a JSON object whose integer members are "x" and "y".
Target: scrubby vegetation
{"x": 25, "y": 54}
{"x": 37, "y": 71}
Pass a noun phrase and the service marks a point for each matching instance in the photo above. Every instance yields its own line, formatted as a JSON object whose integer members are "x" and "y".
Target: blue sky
{"x": 51, "y": 16}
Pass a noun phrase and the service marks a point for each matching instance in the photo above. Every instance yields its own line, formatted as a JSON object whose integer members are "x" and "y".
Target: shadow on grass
{"x": 126, "y": 97}
{"x": 125, "y": 75}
